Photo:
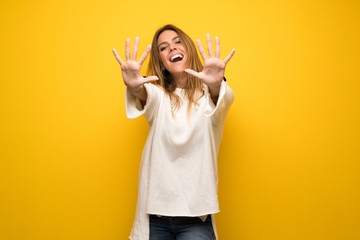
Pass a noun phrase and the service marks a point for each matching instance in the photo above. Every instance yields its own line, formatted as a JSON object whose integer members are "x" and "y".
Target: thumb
{"x": 192, "y": 72}
{"x": 150, "y": 79}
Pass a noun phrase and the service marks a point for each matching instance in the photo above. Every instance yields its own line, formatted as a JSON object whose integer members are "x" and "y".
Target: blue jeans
{"x": 180, "y": 228}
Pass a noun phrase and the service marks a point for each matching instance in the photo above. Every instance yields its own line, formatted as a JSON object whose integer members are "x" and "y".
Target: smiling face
{"x": 173, "y": 54}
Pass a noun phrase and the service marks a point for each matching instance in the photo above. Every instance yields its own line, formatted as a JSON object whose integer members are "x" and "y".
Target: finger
{"x": 227, "y": 59}
{"x": 144, "y": 55}
{"x": 201, "y": 49}
{"x": 217, "y": 42}
{"x": 209, "y": 43}
{"x": 193, "y": 73}
{"x": 118, "y": 58}
{"x": 135, "y": 48}
{"x": 150, "y": 79}
{"x": 127, "y": 49}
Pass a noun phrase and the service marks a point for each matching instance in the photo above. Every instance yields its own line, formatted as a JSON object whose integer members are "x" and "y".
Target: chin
{"x": 177, "y": 70}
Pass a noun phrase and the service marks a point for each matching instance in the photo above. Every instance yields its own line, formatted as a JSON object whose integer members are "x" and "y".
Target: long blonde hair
{"x": 194, "y": 86}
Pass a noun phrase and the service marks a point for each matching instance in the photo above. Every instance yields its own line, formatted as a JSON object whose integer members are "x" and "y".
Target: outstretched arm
{"x": 214, "y": 68}
{"x": 130, "y": 69}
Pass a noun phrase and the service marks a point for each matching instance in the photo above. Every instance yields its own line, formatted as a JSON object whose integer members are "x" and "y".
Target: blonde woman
{"x": 185, "y": 103}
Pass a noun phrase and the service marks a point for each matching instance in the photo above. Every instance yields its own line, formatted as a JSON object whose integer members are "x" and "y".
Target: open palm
{"x": 130, "y": 68}
{"x": 214, "y": 68}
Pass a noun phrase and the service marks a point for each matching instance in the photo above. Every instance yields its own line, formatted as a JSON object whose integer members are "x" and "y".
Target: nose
{"x": 172, "y": 47}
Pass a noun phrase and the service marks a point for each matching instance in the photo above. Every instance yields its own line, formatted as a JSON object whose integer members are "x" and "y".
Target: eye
{"x": 162, "y": 48}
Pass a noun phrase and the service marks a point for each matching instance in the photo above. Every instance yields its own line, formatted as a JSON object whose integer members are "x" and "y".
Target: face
{"x": 172, "y": 52}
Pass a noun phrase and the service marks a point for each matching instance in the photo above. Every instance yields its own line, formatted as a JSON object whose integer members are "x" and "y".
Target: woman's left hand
{"x": 214, "y": 68}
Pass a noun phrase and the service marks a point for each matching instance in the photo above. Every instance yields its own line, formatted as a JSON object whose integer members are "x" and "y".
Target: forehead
{"x": 167, "y": 36}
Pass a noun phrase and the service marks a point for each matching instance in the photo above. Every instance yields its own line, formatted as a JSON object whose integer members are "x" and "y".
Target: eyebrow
{"x": 171, "y": 40}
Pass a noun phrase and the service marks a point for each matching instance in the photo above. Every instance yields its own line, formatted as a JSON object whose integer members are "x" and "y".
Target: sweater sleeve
{"x": 226, "y": 98}
{"x": 133, "y": 105}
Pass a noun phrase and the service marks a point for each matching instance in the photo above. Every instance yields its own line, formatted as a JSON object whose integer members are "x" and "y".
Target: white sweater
{"x": 178, "y": 172}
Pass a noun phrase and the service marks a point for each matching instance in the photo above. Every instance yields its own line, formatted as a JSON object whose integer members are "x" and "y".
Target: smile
{"x": 176, "y": 58}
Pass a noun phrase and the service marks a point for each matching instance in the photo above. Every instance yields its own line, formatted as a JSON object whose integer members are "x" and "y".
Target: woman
{"x": 185, "y": 104}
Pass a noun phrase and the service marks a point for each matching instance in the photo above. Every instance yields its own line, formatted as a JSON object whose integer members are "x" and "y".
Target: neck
{"x": 180, "y": 79}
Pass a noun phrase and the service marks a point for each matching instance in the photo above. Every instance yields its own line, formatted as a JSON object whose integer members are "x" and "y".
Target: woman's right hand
{"x": 130, "y": 68}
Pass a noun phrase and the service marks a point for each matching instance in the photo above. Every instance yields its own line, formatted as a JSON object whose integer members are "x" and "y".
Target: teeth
{"x": 176, "y": 56}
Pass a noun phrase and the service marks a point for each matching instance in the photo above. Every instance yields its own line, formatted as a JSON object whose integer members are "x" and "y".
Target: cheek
{"x": 163, "y": 58}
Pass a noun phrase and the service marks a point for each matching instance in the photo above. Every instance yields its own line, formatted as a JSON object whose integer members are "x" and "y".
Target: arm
{"x": 214, "y": 93}
{"x": 130, "y": 70}
{"x": 214, "y": 68}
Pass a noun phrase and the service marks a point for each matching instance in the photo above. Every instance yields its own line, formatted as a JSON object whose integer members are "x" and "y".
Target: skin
{"x": 212, "y": 74}
{"x": 168, "y": 45}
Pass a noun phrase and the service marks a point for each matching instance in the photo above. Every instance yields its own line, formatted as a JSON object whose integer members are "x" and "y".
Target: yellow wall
{"x": 289, "y": 163}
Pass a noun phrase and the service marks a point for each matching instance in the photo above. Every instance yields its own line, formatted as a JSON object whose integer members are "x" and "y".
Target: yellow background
{"x": 289, "y": 162}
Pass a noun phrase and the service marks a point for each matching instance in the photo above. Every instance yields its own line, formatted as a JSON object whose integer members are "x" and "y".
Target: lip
{"x": 176, "y": 53}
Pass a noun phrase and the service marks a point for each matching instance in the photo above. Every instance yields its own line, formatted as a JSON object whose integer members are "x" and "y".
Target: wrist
{"x": 136, "y": 90}
{"x": 214, "y": 87}
{"x": 217, "y": 85}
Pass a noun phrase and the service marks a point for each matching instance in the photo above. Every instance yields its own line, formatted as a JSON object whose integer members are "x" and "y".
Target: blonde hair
{"x": 194, "y": 86}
